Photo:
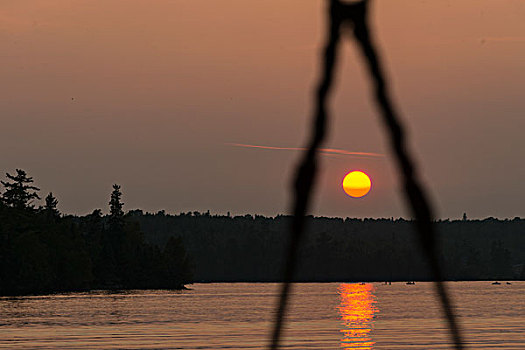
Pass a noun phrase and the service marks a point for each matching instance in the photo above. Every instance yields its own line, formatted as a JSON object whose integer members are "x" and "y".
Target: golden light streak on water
{"x": 357, "y": 309}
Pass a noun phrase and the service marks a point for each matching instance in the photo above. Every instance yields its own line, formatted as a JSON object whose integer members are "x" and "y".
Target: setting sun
{"x": 356, "y": 184}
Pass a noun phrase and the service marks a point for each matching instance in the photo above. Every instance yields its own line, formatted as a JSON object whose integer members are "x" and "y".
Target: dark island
{"x": 42, "y": 251}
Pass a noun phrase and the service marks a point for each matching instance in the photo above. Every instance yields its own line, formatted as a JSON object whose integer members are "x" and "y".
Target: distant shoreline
{"x": 185, "y": 288}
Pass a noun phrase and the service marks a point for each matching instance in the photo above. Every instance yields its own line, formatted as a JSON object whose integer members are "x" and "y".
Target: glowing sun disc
{"x": 356, "y": 184}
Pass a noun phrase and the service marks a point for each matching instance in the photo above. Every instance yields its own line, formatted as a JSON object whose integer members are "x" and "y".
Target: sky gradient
{"x": 153, "y": 94}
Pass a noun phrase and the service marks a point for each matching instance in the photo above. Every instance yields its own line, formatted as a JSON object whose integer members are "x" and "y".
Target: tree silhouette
{"x": 42, "y": 251}
{"x": 18, "y": 192}
{"x": 116, "y": 216}
{"x": 51, "y": 206}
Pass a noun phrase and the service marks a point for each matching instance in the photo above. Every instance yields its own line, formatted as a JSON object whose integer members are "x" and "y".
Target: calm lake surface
{"x": 239, "y": 315}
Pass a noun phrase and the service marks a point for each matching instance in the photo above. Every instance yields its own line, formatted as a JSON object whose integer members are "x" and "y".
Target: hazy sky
{"x": 151, "y": 95}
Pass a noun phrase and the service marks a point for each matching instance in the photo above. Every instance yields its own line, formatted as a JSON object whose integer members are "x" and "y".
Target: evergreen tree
{"x": 50, "y": 207}
{"x": 19, "y": 193}
{"x": 116, "y": 216}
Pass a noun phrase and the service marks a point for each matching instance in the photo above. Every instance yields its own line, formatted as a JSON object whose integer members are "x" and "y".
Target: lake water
{"x": 239, "y": 315}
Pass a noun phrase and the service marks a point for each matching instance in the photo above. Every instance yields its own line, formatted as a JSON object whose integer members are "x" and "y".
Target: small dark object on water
{"x": 508, "y": 283}
{"x": 411, "y": 282}
{"x": 496, "y": 283}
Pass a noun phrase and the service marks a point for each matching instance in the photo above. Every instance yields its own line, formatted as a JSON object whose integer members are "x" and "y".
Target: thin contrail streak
{"x": 321, "y": 150}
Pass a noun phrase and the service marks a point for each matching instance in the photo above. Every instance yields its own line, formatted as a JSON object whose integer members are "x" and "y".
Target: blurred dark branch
{"x": 307, "y": 170}
{"x": 355, "y": 14}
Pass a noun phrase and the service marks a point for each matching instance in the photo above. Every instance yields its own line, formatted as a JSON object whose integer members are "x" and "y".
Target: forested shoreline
{"x": 45, "y": 251}
{"x": 251, "y": 248}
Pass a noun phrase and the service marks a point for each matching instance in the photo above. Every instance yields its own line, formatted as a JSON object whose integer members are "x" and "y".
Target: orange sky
{"x": 149, "y": 94}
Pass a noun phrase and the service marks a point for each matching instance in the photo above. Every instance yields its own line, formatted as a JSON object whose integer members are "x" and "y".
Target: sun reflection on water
{"x": 357, "y": 311}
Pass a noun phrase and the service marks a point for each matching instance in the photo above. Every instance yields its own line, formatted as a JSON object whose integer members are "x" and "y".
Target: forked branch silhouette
{"x": 354, "y": 16}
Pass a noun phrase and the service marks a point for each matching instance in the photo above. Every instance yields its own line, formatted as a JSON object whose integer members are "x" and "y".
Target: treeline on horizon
{"x": 43, "y": 251}
{"x": 252, "y": 248}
